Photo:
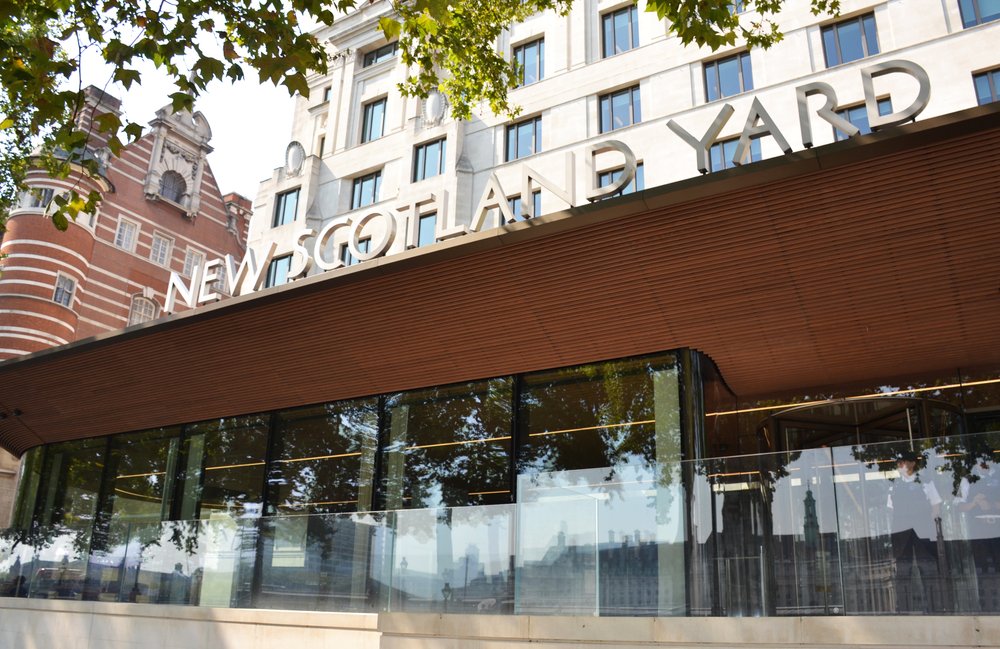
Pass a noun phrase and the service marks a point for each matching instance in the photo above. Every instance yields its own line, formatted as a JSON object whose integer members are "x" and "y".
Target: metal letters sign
{"x": 493, "y": 206}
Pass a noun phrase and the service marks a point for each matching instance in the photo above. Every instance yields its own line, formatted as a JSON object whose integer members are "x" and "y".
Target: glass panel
{"x": 27, "y": 488}
{"x": 636, "y": 106}
{"x": 512, "y": 143}
{"x": 621, "y": 115}
{"x": 712, "y": 91}
{"x": 634, "y": 21}
{"x": 968, "y": 11}
{"x": 427, "y": 227}
{"x": 433, "y": 160}
{"x": 525, "y": 139}
{"x": 747, "y": 72}
{"x": 531, "y": 63}
{"x": 830, "y": 47}
{"x": 607, "y": 23}
{"x": 419, "y": 170}
{"x": 605, "y": 114}
{"x": 623, "y": 31}
{"x": 454, "y": 560}
{"x": 989, "y": 10}
{"x": 871, "y": 37}
{"x": 448, "y": 446}
{"x": 849, "y": 36}
{"x": 600, "y": 452}
{"x": 729, "y": 76}
{"x": 324, "y": 458}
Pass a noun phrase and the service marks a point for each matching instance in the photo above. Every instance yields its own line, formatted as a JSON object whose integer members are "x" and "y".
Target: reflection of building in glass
{"x": 687, "y": 397}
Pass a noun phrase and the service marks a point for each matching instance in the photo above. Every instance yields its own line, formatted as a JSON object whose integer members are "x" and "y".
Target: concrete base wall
{"x": 52, "y": 624}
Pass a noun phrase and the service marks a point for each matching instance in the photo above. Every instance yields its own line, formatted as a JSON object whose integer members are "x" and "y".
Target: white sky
{"x": 251, "y": 123}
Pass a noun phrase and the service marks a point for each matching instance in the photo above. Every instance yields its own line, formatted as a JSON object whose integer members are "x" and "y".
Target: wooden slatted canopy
{"x": 864, "y": 259}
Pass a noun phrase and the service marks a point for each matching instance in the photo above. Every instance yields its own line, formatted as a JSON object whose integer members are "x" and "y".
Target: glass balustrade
{"x": 865, "y": 529}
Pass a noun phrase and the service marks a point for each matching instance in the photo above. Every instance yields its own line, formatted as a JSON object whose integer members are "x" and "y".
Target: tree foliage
{"x": 448, "y": 45}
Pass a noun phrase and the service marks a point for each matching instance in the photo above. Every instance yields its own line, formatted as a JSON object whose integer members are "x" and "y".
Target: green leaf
{"x": 133, "y": 131}
{"x": 126, "y": 77}
{"x": 108, "y": 122}
{"x": 390, "y": 27}
{"x": 6, "y": 124}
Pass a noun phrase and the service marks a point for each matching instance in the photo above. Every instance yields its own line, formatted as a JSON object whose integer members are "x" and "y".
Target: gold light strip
{"x": 139, "y": 475}
{"x": 729, "y": 475}
{"x": 233, "y": 466}
{"x": 139, "y": 496}
{"x": 856, "y": 397}
{"x": 468, "y": 441}
{"x": 320, "y": 457}
{"x": 577, "y": 430}
{"x": 325, "y": 502}
{"x": 489, "y": 493}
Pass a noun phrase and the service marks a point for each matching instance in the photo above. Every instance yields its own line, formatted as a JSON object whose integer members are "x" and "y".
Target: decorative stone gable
{"x": 176, "y": 166}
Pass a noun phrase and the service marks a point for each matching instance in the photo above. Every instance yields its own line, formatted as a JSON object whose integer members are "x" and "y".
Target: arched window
{"x": 172, "y": 186}
{"x": 143, "y": 310}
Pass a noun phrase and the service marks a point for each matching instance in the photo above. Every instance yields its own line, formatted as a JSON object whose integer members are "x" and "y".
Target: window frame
{"x": 167, "y": 253}
{"x": 132, "y": 312}
{"x": 357, "y": 189}
{"x": 421, "y": 219}
{"x": 420, "y": 159}
{"x": 181, "y": 187}
{"x": 280, "y": 216}
{"x": 835, "y": 28}
{"x": 637, "y": 185}
{"x": 514, "y": 203}
{"x": 273, "y": 269}
{"x": 59, "y": 290}
{"x": 520, "y": 49}
{"x": 187, "y": 270}
{"x": 379, "y": 54}
{"x": 727, "y": 161}
{"x": 607, "y": 18}
{"x": 744, "y": 67}
{"x": 977, "y": 14}
{"x": 992, "y": 78}
{"x": 122, "y": 221}
{"x": 536, "y": 124}
{"x": 634, "y": 108}
{"x": 367, "y": 120}
{"x": 845, "y": 111}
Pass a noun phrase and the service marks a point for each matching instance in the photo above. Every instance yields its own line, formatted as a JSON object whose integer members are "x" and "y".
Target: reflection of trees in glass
{"x": 324, "y": 457}
{"x": 449, "y": 446}
{"x": 594, "y": 416}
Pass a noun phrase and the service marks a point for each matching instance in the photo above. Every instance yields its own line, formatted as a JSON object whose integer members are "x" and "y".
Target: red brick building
{"x": 161, "y": 211}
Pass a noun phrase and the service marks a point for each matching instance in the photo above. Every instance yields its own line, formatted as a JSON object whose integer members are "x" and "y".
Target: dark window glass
{"x": 620, "y": 109}
{"x": 373, "y": 125}
{"x": 27, "y": 488}
{"x": 327, "y": 93}
{"x": 63, "y": 293}
{"x": 858, "y": 115}
{"x": 729, "y": 76}
{"x": 224, "y": 468}
{"x": 285, "y": 206}
{"x": 850, "y": 40}
{"x": 638, "y": 183}
{"x": 143, "y": 467}
{"x": 347, "y": 258}
{"x": 987, "y": 86}
{"x": 530, "y": 58}
{"x": 536, "y": 204}
{"x": 620, "y": 31}
{"x": 70, "y": 485}
{"x": 721, "y": 154}
{"x": 324, "y": 458}
{"x": 172, "y": 186}
{"x": 426, "y": 230}
{"x": 383, "y": 53}
{"x": 365, "y": 190}
{"x": 277, "y": 271}
{"x": 449, "y": 446}
{"x": 429, "y": 159}
{"x": 524, "y": 139}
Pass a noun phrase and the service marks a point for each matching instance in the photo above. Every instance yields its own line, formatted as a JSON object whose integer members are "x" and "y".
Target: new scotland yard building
{"x": 445, "y": 409}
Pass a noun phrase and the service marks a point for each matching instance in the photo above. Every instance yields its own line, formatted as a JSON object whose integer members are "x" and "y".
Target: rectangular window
{"x": 428, "y": 159}
{"x": 383, "y": 53}
{"x": 977, "y": 12}
{"x": 193, "y": 259}
{"x": 530, "y": 58}
{"x": 987, "y": 86}
{"x": 374, "y": 120}
{"x": 64, "y": 290}
{"x": 327, "y": 93}
{"x": 638, "y": 183}
{"x": 858, "y": 115}
{"x": 721, "y": 154}
{"x": 347, "y": 258}
{"x": 366, "y": 189}
{"x": 850, "y": 40}
{"x": 126, "y": 234}
{"x": 159, "y": 251}
{"x": 729, "y": 76}
{"x": 620, "y": 31}
{"x": 536, "y": 204}
{"x": 524, "y": 139}
{"x": 285, "y": 207}
{"x": 38, "y": 197}
{"x": 620, "y": 109}
{"x": 277, "y": 271}
{"x": 427, "y": 230}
